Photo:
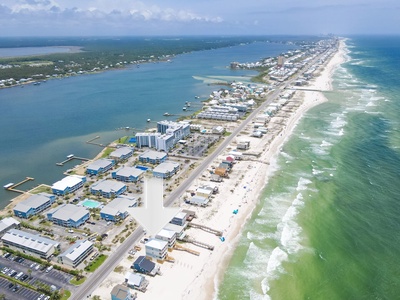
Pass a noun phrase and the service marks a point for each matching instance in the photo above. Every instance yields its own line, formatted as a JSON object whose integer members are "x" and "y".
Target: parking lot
{"x": 54, "y": 278}
{"x": 6, "y": 288}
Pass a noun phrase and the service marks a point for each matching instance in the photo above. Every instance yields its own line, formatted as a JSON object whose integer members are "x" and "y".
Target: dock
{"x": 205, "y": 228}
{"x": 91, "y": 142}
{"x": 12, "y": 186}
{"x": 71, "y": 157}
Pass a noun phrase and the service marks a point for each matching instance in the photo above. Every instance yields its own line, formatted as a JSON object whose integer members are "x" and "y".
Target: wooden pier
{"x": 12, "y": 188}
{"x": 69, "y": 158}
{"x": 197, "y": 243}
{"x": 205, "y": 228}
{"x": 179, "y": 247}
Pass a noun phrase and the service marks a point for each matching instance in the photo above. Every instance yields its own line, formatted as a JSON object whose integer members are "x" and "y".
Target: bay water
{"x": 42, "y": 124}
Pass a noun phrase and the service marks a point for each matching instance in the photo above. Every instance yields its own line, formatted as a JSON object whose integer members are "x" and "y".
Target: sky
{"x": 197, "y": 17}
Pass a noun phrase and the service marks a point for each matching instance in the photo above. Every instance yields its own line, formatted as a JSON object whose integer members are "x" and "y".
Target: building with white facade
{"x": 157, "y": 249}
{"x": 76, "y": 254}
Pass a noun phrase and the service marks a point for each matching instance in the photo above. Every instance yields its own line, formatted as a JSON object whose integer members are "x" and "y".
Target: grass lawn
{"x": 66, "y": 294}
{"x": 77, "y": 282}
{"x": 92, "y": 266}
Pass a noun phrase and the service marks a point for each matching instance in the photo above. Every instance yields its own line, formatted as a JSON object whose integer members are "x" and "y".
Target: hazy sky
{"x": 179, "y": 17}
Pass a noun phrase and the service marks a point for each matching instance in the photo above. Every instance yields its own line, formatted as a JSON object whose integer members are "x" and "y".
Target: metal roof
{"x": 28, "y": 240}
{"x": 76, "y": 250}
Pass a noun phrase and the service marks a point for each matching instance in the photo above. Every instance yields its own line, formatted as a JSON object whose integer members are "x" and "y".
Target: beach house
{"x": 100, "y": 166}
{"x": 68, "y": 185}
{"x": 199, "y": 201}
{"x": 116, "y": 210}
{"x": 157, "y": 249}
{"x": 168, "y": 236}
{"x": 166, "y": 169}
{"x": 145, "y": 266}
{"x": 127, "y": 174}
{"x": 121, "y": 154}
{"x": 136, "y": 281}
{"x": 34, "y": 205}
{"x": 108, "y": 188}
{"x": 68, "y": 215}
{"x": 179, "y": 219}
{"x": 76, "y": 254}
{"x": 31, "y": 244}
{"x": 153, "y": 157}
{"x": 121, "y": 292}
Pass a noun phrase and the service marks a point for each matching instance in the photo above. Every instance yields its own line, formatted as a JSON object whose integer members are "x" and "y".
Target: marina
{"x": 12, "y": 186}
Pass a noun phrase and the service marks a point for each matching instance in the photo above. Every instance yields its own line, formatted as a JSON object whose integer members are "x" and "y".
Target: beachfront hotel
{"x": 76, "y": 254}
{"x": 127, "y": 174}
{"x": 153, "y": 157}
{"x": 108, "y": 188}
{"x": 166, "y": 169}
{"x": 32, "y": 244}
{"x": 121, "y": 154}
{"x": 157, "y": 249}
{"x": 68, "y": 215}
{"x": 100, "y": 166}
{"x": 34, "y": 205}
{"x": 116, "y": 210}
{"x": 68, "y": 185}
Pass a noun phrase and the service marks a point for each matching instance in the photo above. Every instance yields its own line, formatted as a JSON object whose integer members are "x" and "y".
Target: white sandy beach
{"x": 197, "y": 277}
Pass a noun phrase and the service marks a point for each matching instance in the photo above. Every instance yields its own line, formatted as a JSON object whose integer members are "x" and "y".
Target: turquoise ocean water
{"x": 41, "y": 125}
{"x": 328, "y": 222}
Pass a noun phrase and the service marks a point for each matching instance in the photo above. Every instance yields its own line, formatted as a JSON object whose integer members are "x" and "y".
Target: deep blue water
{"x": 41, "y": 125}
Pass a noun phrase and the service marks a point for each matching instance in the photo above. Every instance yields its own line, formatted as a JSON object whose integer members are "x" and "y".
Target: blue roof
{"x": 144, "y": 264}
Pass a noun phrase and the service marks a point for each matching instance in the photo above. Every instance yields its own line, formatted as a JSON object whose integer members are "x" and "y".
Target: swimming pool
{"x": 90, "y": 203}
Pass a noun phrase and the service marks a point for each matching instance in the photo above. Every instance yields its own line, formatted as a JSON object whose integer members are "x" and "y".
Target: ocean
{"x": 42, "y": 124}
{"x": 328, "y": 220}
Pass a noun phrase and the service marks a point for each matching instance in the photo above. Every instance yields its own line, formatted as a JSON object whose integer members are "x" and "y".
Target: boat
{"x": 184, "y": 108}
{"x": 188, "y": 104}
{"x": 196, "y": 97}
{"x": 166, "y": 114}
{"x": 7, "y": 186}
{"x": 148, "y": 120}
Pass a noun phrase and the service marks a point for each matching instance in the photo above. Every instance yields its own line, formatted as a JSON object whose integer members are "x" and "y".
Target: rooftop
{"x": 157, "y": 244}
{"x": 129, "y": 171}
{"x": 73, "y": 252}
{"x": 151, "y": 154}
{"x": 119, "y": 204}
{"x": 33, "y": 201}
{"x": 68, "y": 181}
{"x": 121, "y": 151}
{"x": 108, "y": 186}
{"x": 29, "y": 240}
{"x": 165, "y": 167}
{"x": 100, "y": 163}
{"x": 67, "y": 212}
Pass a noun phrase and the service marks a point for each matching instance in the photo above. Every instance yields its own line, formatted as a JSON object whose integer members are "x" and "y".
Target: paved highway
{"x": 112, "y": 261}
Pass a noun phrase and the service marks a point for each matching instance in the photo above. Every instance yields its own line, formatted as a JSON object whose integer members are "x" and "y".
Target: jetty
{"x": 12, "y": 186}
{"x": 71, "y": 157}
{"x": 205, "y": 228}
{"x": 91, "y": 142}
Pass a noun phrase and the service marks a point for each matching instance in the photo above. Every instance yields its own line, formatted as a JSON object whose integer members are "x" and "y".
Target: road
{"x": 112, "y": 261}
{"x": 92, "y": 282}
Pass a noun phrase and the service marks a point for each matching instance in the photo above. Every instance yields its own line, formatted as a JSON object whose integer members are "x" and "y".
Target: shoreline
{"x": 199, "y": 278}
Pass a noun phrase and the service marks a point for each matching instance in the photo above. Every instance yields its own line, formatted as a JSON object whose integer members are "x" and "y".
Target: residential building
{"x": 68, "y": 215}
{"x": 68, "y": 185}
{"x": 145, "y": 139}
{"x": 179, "y": 130}
{"x": 76, "y": 254}
{"x": 31, "y": 244}
{"x": 108, "y": 188}
{"x": 100, "y": 166}
{"x": 117, "y": 209}
{"x": 198, "y": 200}
{"x": 136, "y": 281}
{"x": 165, "y": 142}
{"x": 166, "y": 169}
{"x": 168, "y": 236}
{"x": 157, "y": 249}
{"x": 153, "y": 157}
{"x": 121, "y": 154}
{"x": 179, "y": 219}
{"x": 7, "y": 224}
{"x": 145, "y": 266}
{"x": 34, "y": 205}
{"x": 204, "y": 192}
{"x": 127, "y": 174}
{"x": 121, "y": 292}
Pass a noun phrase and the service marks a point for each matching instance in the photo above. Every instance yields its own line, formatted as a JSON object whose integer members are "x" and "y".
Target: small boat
{"x": 188, "y": 104}
{"x": 166, "y": 114}
{"x": 148, "y": 120}
{"x": 196, "y": 97}
{"x": 184, "y": 108}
